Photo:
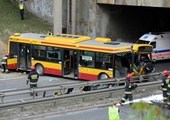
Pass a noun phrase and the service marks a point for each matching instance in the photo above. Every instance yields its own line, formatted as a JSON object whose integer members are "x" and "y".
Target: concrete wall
{"x": 45, "y": 9}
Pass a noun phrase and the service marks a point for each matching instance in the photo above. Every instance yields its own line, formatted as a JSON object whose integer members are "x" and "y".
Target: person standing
{"x": 4, "y": 64}
{"x": 129, "y": 86}
{"x": 164, "y": 86}
{"x": 113, "y": 112}
{"x": 21, "y": 7}
{"x": 33, "y": 78}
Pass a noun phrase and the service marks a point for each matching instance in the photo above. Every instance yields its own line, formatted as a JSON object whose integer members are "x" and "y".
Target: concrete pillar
{"x": 57, "y": 17}
{"x": 71, "y": 16}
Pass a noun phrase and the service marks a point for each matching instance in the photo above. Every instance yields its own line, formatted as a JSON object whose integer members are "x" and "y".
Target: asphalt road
{"x": 90, "y": 114}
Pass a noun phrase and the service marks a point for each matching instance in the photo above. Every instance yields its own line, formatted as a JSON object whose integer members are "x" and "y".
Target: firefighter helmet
{"x": 32, "y": 67}
{"x": 165, "y": 72}
{"x": 129, "y": 76}
{"x": 169, "y": 77}
{"x": 7, "y": 55}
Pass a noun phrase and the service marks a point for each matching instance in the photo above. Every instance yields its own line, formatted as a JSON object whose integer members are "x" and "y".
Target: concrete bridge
{"x": 124, "y": 20}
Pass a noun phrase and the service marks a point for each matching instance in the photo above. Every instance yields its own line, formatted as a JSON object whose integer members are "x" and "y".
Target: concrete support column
{"x": 57, "y": 17}
{"x": 71, "y": 16}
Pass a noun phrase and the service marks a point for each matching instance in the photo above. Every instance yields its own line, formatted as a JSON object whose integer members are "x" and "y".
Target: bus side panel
{"x": 50, "y": 68}
{"x": 12, "y": 63}
{"x": 92, "y": 74}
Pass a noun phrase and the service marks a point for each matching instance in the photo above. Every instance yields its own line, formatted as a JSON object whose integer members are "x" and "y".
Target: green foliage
{"x": 11, "y": 23}
{"x": 145, "y": 111}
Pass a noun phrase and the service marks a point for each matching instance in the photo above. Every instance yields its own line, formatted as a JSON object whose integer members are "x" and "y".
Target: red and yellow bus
{"x": 73, "y": 56}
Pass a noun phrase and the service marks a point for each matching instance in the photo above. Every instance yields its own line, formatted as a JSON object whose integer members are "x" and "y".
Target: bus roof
{"x": 69, "y": 38}
{"x": 112, "y": 44}
{"x": 74, "y": 42}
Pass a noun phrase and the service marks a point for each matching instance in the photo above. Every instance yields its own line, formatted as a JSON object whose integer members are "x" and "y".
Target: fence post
{"x": 2, "y": 97}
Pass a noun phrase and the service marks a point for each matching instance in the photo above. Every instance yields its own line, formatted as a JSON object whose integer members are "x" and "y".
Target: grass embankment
{"x": 11, "y": 23}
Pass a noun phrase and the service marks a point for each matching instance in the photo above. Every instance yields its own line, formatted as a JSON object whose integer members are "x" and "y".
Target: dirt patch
{"x": 3, "y": 48}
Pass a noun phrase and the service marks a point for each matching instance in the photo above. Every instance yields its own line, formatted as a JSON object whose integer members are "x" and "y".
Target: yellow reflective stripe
{"x": 164, "y": 89}
{"x": 34, "y": 76}
{"x": 5, "y": 58}
{"x": 123, "y": 99}
{"x": 165, "y": 98}
{"x": 33, "y": 83}
{"x": 128, "y": 92}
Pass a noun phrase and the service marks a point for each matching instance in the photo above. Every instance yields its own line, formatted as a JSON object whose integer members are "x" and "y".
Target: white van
{"x": 160, "y": 42}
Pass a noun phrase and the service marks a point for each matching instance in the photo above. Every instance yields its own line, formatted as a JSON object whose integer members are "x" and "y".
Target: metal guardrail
{"x": 153, "y": 78}
{"x": 50, "y": 99}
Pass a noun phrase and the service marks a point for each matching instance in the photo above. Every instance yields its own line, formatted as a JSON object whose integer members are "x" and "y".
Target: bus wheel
{"x": 103, "y": 76}
{"x": 40, "y": 69}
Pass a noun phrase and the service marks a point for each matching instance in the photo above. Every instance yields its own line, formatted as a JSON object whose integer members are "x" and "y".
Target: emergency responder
{"x": 168, "y": 93}
{"x": 164, "y": 86}
{"x": 4, "y": 64}
{"x": 21, "y": 8}
{"x": 113, "y": 112}
{"x": 129, "y": 86}
{"x": 33, "y": 78}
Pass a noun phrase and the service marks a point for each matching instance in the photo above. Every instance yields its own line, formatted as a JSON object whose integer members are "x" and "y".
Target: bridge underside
{"x": 151, "y": 3}
{"x": 128, "y": 23}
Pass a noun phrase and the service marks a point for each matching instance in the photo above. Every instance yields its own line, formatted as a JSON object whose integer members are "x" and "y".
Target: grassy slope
{"x": 11, "y": 23}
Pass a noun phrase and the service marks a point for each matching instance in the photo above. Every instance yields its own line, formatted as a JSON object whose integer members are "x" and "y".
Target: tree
{"x": 145, "y": 111}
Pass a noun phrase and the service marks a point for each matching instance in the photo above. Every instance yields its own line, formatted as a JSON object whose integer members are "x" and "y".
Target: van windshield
{"x": 142, "y": 42}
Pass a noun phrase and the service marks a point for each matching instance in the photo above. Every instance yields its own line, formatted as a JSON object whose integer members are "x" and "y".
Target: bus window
{"x": 103, "y": 61}
{"x": 53, "y": 54}
{"x": 39, "y": 52}
{"x": 14, "y": 49}
{"x": 87, "y": 59}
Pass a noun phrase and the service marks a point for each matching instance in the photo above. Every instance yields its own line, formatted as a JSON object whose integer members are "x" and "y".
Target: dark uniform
{"x": 168, "y": 93}
{"x": 164, "y": 86}
{"x": 33, "y": 78}
{"x": 129, "y": 86}
{"x": 4, "y": 64}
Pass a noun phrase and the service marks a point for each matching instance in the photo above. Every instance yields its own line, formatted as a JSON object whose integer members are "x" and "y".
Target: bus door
{"x": 69, "y": 65}
{"x": 24, "y": 57}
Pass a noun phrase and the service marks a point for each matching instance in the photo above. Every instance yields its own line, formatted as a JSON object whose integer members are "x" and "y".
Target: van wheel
{"x": 40, "y": 69}
{"x": 103, "y": 76}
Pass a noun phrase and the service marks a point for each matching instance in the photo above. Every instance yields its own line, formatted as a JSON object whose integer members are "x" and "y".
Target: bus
{"x": 74, "y": 56}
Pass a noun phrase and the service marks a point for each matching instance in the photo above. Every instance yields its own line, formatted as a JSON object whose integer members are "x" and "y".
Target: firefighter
{"x": 168, "y": 93}
{"x": 113, "y": 112}
{"x": 164, "y": 86}
{"x": 33, "y": 78}
{"x": 129, "y": 86}
{"x": 4, "y": 64}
